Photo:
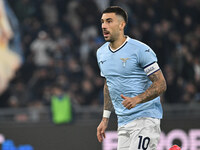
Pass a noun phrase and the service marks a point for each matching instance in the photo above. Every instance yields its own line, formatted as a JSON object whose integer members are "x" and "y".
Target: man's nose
{"x": 103, "y": 26}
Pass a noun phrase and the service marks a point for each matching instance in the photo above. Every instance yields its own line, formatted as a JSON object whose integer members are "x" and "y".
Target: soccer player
{"x": 133, "y": 83}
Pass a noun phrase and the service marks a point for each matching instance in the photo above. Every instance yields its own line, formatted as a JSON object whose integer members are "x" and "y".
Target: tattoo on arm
{"x": 107, "y": 100}
{"x": 157, "y": 87}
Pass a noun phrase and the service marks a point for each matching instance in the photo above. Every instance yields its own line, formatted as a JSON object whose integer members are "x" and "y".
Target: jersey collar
{"x": 127, "y": 38}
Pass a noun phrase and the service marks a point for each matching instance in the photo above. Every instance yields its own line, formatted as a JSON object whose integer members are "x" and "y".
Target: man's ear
{"x": 122, "y": 25}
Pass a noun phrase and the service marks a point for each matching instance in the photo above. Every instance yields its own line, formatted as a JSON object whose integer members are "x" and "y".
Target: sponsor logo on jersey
{"x": 102, "y": 61}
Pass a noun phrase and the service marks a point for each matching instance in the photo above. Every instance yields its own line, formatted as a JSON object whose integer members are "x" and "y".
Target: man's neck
{"x": 116, "y": 44}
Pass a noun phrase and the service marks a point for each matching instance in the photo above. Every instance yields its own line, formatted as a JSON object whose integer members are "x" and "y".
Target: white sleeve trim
{"x": 150, "y": 69}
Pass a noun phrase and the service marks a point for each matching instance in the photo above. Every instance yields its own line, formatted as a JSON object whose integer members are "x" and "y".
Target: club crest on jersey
{"x": 124, "y": 61}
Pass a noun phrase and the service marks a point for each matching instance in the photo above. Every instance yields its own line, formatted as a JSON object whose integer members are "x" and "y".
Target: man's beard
{"x": 109, "y": 40}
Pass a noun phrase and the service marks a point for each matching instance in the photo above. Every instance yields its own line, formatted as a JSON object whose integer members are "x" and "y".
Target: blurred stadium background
{"x": 48, "y": 52}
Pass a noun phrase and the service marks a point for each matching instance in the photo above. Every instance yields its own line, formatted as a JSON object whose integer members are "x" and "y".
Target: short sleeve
{"x": 146, "y": 56}
{"x": 148, "y": 60}
{"x": 98, "y": 62}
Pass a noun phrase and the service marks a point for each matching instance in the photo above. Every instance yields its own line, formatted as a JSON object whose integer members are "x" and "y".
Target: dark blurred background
{"x": 56, "y": 43}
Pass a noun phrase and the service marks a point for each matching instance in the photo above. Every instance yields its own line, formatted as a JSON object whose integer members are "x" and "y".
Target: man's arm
{"x": 107, "y": 109}
{"x": 157, "y": 87}
{"x": 107, "y": 100}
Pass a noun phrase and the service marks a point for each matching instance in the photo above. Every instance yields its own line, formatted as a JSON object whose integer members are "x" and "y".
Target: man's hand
{"x": 101, "y": 129}
{"x": 130, "y": 102}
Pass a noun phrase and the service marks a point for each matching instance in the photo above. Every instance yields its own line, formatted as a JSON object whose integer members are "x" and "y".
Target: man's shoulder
{"x": 138, "y": 44}
{"x": 102, "y": 48}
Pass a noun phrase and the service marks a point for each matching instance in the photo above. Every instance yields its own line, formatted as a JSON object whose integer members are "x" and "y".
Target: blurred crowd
{"x": 60, "y": 39}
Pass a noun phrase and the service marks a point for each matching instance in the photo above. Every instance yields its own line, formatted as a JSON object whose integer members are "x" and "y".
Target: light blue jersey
{"x": 126, "y": 71}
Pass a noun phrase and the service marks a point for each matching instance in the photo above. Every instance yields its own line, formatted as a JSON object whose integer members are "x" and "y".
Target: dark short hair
{"x": 118, "y": 11}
